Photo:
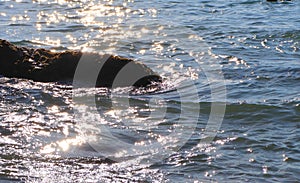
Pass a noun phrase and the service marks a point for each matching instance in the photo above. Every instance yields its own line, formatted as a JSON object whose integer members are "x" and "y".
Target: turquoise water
{"x": 241, "y": 57}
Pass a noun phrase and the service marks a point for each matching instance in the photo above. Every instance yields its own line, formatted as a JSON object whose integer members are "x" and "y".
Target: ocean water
{"x": 228, "y": 109}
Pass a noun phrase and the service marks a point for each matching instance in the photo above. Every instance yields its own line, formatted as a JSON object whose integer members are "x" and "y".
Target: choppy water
{"x": 244, "y": 54}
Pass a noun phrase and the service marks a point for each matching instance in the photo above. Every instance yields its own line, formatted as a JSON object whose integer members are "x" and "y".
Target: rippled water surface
{"x": 240, "y": 55}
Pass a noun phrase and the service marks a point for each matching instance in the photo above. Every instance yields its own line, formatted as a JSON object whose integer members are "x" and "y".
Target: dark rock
{"x": 46, "y": 66}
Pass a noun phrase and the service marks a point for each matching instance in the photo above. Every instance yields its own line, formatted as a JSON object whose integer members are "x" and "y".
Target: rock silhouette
{"x": 46, "y": 66}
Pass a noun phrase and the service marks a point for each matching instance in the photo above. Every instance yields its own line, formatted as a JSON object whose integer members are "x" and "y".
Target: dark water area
{"x": 227, "y": 111}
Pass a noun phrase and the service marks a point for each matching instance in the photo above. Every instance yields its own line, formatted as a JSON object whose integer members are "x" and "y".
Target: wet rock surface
{"x": 46, "y": 66}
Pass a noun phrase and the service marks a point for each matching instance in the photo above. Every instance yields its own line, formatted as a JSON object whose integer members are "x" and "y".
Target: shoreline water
{"x": 254, "y": 42}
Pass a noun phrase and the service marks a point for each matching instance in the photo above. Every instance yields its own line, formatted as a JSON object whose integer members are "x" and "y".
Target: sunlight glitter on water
{"x": 61, "y": 146}
{"x": 261, "y": 71}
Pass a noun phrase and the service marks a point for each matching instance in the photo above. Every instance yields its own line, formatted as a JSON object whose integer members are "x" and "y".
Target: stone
{"x": 47, "y": 66}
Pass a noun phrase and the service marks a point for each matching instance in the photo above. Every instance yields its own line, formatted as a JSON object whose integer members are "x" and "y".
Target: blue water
{"x": 227, "y": 111}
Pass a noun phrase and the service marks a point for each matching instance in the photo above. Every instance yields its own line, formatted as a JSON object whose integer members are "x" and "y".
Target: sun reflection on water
{"x": 61, "y": 146}
{"x": 108, "y": 26}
